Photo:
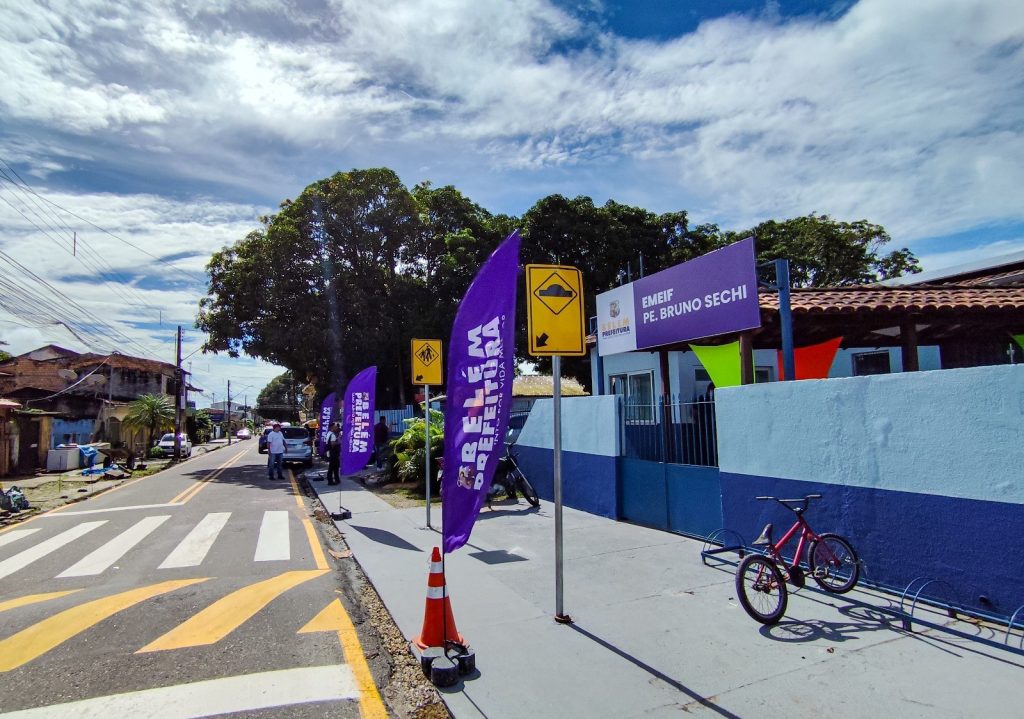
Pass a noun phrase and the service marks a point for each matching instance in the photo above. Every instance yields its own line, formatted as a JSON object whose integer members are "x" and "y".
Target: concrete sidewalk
{"x": 657, "y": 633}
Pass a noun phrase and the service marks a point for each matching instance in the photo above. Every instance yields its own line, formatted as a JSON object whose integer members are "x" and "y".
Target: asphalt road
{"x": 202, "y": 590}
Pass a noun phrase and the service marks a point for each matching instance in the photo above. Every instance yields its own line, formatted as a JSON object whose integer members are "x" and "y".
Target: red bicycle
{"x": 761, "y": 578}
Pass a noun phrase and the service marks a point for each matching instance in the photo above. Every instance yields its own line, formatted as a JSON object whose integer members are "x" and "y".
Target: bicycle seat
{"x": 766, "y": 536}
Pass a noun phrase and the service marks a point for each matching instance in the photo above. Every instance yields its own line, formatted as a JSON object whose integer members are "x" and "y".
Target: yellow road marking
{"x": 334, "y": 618}
{"x": 228, "y": 613}
{"x": 34, "y": 599}
{"x": 51, "y": 632}
{"x": 295, "y": 489}
{"x": 314, "y": 544}
{"x": 196, "y": 488}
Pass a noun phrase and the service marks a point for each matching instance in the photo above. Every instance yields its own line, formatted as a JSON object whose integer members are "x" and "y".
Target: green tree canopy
{"x": 281, "y": 399}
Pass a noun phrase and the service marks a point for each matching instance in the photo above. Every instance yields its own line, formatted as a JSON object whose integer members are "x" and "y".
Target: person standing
{"x": 275, "y": 452}
{"x": 381, "y": 434}
{"x": 333, "y": 442}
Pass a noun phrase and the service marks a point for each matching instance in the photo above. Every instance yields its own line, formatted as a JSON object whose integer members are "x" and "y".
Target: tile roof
{"x": 922, "y": 298}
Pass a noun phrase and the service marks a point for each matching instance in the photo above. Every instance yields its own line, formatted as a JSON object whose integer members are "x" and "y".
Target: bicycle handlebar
{"x": 786, "y": 502}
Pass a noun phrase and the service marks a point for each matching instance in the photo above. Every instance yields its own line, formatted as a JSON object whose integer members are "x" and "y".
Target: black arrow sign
{"x": 419, "y": 377}
{"x": 542, "y": 340}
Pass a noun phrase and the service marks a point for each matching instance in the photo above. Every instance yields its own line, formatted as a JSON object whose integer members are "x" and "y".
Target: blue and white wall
{"x": 923, "y": 472}
{"x": 590, "y": 450}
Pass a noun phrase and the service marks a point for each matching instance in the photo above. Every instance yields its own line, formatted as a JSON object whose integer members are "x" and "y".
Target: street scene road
{"x": 202, "y": 590}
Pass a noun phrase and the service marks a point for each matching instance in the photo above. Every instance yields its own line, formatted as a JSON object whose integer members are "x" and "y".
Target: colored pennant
{"x": 722, "y": 362}
{"x": 814, "y": 361}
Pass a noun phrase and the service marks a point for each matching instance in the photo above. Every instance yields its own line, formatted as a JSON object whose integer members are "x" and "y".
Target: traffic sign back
{"x": 426, "y": 362}
{"x": 554, "y": 296}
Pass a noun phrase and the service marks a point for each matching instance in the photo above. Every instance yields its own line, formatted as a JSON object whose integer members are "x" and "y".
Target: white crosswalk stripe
{"x": 193, "y": 548}
{"x": 103, "y": 558}
{"x": 273, "y": 540}
{"x": 16, "y": 534}
{"x": 18, "y": 561}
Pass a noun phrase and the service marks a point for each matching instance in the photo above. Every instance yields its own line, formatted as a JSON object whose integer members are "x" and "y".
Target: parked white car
{"x": 166, "y": 443}
{"x": 243, "y": 433}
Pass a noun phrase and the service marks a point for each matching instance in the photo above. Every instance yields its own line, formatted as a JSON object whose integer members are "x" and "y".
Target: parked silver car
{"x": 298, "y": 445}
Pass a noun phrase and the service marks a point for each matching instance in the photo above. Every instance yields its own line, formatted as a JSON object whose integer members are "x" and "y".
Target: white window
{"x": 637, "y": 391}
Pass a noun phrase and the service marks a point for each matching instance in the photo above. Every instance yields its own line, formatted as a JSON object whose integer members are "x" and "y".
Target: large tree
{"x": 281, "y": 399}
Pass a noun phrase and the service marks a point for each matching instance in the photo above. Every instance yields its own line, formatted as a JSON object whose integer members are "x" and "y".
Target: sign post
{"x": 555, "y": 327}
{"x": 426, "y": 370}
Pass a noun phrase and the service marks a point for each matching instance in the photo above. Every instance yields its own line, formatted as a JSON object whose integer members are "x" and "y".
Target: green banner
{"x": 721, "y": 361}
{"x": 1020, "y": 340}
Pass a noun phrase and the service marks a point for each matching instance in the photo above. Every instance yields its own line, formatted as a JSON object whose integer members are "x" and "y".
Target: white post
{"x": 426, "y": 418}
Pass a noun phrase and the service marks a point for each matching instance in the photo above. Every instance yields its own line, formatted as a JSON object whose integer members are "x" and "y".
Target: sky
{"x": 136, "y": 138}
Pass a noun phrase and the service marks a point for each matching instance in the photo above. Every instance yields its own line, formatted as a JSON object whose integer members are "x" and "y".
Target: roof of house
{"x": 923, "y": 298}
{"x": 543, "y": 386}
{"x": 1005, "y": 270}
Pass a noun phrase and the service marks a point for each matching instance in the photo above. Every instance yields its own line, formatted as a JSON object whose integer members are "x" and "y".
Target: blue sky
{"x": 174, "y": 125}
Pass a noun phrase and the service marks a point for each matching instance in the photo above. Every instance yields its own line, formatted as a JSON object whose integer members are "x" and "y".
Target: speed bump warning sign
{"x": 555, "y": 310}
{"x": 426, "y": 362}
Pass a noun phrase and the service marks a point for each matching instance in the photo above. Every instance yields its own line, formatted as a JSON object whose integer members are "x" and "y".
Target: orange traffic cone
{"x": 438, "y": 622}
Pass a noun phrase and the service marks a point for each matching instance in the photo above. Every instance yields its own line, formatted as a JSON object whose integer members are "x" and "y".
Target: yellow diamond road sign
{"x": 426, "y": 362}
{"x": 554, "y": 296}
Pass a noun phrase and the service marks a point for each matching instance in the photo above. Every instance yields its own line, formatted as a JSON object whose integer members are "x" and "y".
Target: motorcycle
{"x": 509, "y": 480}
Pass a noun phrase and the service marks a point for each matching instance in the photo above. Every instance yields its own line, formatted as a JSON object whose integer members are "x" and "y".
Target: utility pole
{"x": 229, "y": 413}
{"x": 177, "y": 399}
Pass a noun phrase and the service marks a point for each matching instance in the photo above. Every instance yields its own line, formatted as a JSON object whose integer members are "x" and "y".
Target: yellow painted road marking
{"x": 295, "y": 490}
{"x": 334, "y": 618}
{"x": 43, "y": 636}
{"x": 314, "y": 543}
{"x": 196, "y": 488}
{"x": 34, "y": 599}
{"x": 228, "y": 613}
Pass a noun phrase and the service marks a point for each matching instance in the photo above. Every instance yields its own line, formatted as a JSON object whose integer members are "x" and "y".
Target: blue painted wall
{"x": 921, "y": 471}
{"x": 590, "y": 449}
{"x": 71, "y": 432}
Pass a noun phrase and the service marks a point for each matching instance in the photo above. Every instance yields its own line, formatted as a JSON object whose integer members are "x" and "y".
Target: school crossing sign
{"x": 426, "y": 362}
{"x": 554, "y": 300}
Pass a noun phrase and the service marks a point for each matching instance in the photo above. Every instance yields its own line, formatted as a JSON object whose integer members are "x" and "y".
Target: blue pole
{"x": 785, "y": 320}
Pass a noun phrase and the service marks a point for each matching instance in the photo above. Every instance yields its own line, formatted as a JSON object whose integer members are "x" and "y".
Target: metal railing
{"x": 670, "y": 431}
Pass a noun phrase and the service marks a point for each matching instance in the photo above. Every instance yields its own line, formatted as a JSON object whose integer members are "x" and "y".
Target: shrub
{"x": 156, "y": 453}
{"x": 410, "y": 454}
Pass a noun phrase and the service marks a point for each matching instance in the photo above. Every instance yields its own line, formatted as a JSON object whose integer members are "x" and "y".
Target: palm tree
{"x": 152, "y": 412}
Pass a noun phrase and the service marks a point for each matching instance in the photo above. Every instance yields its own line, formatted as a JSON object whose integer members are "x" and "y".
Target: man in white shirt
{"x": 275, "y": 452}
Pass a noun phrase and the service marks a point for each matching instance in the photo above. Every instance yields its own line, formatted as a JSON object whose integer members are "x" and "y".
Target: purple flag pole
{"x": 357, "y": 432}
{"x": 481, "y": 366}
{"x": 327, "y": 413}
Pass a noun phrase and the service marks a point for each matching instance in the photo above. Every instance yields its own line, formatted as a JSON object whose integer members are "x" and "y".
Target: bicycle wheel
{"x": 834, "y": 564}
{"x": 761, "y": 589}
{"x": 527, "y": 489}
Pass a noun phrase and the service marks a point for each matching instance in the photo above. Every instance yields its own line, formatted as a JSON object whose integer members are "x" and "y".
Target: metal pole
{"x": 556, "y": 409}
{"x": 178, "y": 382}
{"x": 229, "y": 413}
{"x": 785, "y": 320}
{"x": 426, "y": 419}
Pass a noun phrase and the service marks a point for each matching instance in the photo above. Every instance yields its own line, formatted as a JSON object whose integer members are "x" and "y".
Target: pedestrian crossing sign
{"x": 426, "y": 362}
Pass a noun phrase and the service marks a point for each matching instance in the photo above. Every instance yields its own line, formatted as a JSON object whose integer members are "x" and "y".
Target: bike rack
{"x": 1009, "y": 627}
{"x": 951, "y": 610}
{"x": 716, "y": 538}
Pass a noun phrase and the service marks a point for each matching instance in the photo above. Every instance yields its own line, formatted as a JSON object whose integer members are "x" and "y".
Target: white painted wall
{"x": 956, "y": 433}
{"x": 590, "y": 425}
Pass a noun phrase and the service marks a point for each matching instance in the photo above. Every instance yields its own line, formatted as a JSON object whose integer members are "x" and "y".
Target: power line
{"x": 192, "y": 276}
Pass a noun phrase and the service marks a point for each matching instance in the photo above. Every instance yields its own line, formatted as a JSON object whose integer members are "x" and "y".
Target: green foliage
{"x": 410, "y": 449}
{"x": 4, "y": 356}
{"x": 156, "y": 453}
{"x": 203, "y": 426}
{"x": 824, "y": 252}
{"x": 392, "y": 264}
{"x": 152, "y": 412}
{"x": 281, "y": 398}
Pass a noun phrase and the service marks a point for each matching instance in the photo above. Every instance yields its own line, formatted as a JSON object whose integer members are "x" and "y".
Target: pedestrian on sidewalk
{"x": 333, "y": 442}
{"x": 381, "y": 434}
{"x": 275, "y": 452}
